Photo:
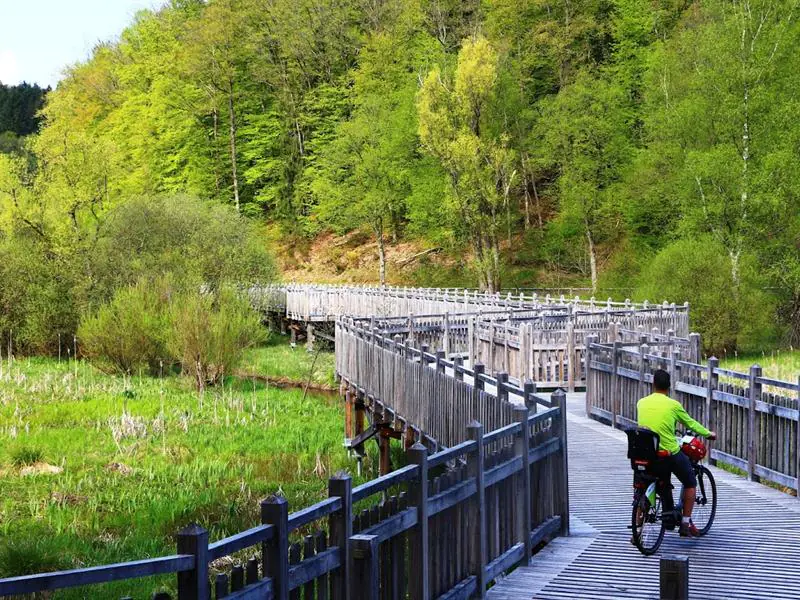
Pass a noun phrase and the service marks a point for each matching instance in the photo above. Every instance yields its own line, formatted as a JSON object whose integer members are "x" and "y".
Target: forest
{"x": 645, "y": 146}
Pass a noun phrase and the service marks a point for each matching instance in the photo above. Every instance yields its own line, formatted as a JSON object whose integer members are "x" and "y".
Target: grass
{"x": 143, "y": 457}
{"x": 280, "y": 361}
{"x": 777, "y": 364}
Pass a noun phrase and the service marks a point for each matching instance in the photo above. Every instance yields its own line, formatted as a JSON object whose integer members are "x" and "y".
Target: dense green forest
{"x": 620, "y": 143}
{"x": 19, "y": 108}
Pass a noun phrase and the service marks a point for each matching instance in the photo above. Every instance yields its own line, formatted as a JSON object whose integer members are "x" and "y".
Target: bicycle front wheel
{"x": 647, "y": 525}
{"x": 705, "y": 502}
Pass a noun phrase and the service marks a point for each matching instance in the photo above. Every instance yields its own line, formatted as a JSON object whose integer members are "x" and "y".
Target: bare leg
{"x": 688, "y": 501}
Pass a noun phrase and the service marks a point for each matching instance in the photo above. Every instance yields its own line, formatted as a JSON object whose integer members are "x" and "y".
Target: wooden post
{"x": 712, "y": 379}
{"x": 364, "y": 567}
{"x": 341, "y": 529}
{"x": 559, "y": 398}
{"x": 672, "y": 370}
{"x": 674, "y": 577}
{"x": 571, "y": 359}
{"x": 694, "y": 344}
{"x": 522, "y": 498}
{"x": 194, "y": 584}
{"x": 310, "y": 337}
{"x": 502, "y": 390}
{"x": 528, "y": 392}
{"x": 643, "y": 350}
{"x": 616, "y": 384}
{"x": 275, "y": 553}
{"x": 360, "y": 409}
{"x": 446, "y": 341}
{"x": 525, "y": 350}
{"x": 423, "y": 350}
{"x": 478, "y": 556}
{"x": 752, "y": 447}
{"x": 348, "y": 415}
{"x": 419, "y": 588}
{"x": 590, "y": 339}
{"x": 478, "y": 370}
{"x": 458, "y": 364}
{"x": 797, "y": 444}
{"x": 385, "y": 448}
{"x": 440, "y": 358}
{"x": 471, "y": 358}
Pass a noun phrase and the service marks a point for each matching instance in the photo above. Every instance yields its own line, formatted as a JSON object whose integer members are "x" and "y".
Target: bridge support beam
{"x": 385, "y": 450}
{"x": 310, "y": 337}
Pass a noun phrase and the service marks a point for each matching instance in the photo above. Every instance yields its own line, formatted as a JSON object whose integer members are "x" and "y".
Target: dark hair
{"x": 661, "y": 380}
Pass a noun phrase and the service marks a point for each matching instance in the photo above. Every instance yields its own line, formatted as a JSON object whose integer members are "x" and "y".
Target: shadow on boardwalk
{"x": 750, "y": 552}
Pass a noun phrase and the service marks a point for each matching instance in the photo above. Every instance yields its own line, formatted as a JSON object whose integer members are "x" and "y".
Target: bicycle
{"x": 654, "y": 510}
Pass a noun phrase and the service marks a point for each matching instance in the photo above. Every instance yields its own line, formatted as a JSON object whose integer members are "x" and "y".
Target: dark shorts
{"x": 680, "y": 466}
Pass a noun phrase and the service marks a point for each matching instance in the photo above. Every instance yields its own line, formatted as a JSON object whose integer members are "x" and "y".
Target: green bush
{"x": 128, "y": 333}
{"x": 209, "y": 331}
{"x": 37, "y": 299}
{"x": 727, "y": 316}
{"x": 191, "y": 239}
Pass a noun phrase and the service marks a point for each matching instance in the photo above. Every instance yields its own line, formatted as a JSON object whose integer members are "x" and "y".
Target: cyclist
{"x": 659, "y": 413}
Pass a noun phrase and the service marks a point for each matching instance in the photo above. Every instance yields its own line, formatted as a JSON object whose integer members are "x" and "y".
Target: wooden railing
{"x": 444, "y": 526}
{"x": 321, "y": 303}
{"x": 546, "y": 347}
{"x": 755, "y": 417}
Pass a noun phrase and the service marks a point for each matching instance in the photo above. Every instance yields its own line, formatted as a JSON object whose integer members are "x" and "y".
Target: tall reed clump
{"x": 209, "y": 332}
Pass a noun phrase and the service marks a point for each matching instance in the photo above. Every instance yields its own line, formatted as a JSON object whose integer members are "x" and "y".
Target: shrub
{"x": 128, "y": 332}
{"x": 191, "y": 239}
{"x": 209, "y": 331}
{"x": 727, "y": 316}
{"x": 37, "y": 300}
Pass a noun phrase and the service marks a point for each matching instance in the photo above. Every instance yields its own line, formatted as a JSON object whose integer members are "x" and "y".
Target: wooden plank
{"x": 240, "y": 541}
{"x": 505, "y": 561}
{"x": 30, "y": 584}
{"x": 314, "y": 567}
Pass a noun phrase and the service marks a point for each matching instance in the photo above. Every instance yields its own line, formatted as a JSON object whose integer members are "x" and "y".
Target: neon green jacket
{"x": 660, "y": 413}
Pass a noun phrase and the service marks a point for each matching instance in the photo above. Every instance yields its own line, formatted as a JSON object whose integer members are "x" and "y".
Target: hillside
{"x": 615, "y": 144}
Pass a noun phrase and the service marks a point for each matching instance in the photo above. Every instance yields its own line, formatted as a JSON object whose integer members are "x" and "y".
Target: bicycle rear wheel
{"x": 646, "y": 525}
{"x": 705, "y": 503}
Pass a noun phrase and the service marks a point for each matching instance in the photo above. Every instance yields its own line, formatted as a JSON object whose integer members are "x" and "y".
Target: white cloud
{"x": 9, "y": 69}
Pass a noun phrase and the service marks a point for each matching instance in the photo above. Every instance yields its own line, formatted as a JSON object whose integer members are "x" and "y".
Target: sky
{"x": 38, "y": 38}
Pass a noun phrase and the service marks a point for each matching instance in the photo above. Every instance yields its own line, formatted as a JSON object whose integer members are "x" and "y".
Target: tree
{"x": 367, "y": 171}
{"x": 719, "y": 94}
{"x": 587, "y": 141}
{"x": 455, "y": 126}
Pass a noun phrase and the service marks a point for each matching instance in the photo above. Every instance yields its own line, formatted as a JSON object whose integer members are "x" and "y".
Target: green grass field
{"x": 139, "y": 458}
{"x": 778, "y": 364}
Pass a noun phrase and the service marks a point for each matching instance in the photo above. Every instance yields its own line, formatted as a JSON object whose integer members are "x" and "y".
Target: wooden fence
{"x": 326, "y": 303}
{"x": 755, "y": 417}
{"x": 545, "y": 346}
{"x": 445, "y": 526}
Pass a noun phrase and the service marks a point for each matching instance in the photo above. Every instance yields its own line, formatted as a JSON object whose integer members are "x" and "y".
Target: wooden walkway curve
{"x": 750, "y": 552}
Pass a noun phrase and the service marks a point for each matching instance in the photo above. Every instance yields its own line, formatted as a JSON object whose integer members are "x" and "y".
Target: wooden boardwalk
{"x": 751, "y": 551}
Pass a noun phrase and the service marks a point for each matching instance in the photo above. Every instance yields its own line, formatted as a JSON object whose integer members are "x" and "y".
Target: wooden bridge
{"x": 749, "y": 552}
{"x": 487, "y": 486}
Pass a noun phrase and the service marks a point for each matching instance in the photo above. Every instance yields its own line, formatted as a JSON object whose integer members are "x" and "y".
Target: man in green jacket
{"x": 659, "y": 413}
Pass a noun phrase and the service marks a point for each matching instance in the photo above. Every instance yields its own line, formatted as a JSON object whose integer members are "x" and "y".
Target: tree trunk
{"x": 381, "y": 252}
{"x": 484, "y": 280}
{"x": 232, "y": 115}
{"x": 592, "y": 258}
{"x": 538, "y": 203}
{"x": 215, "y": 150}
{"x": 494, "y": 264}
